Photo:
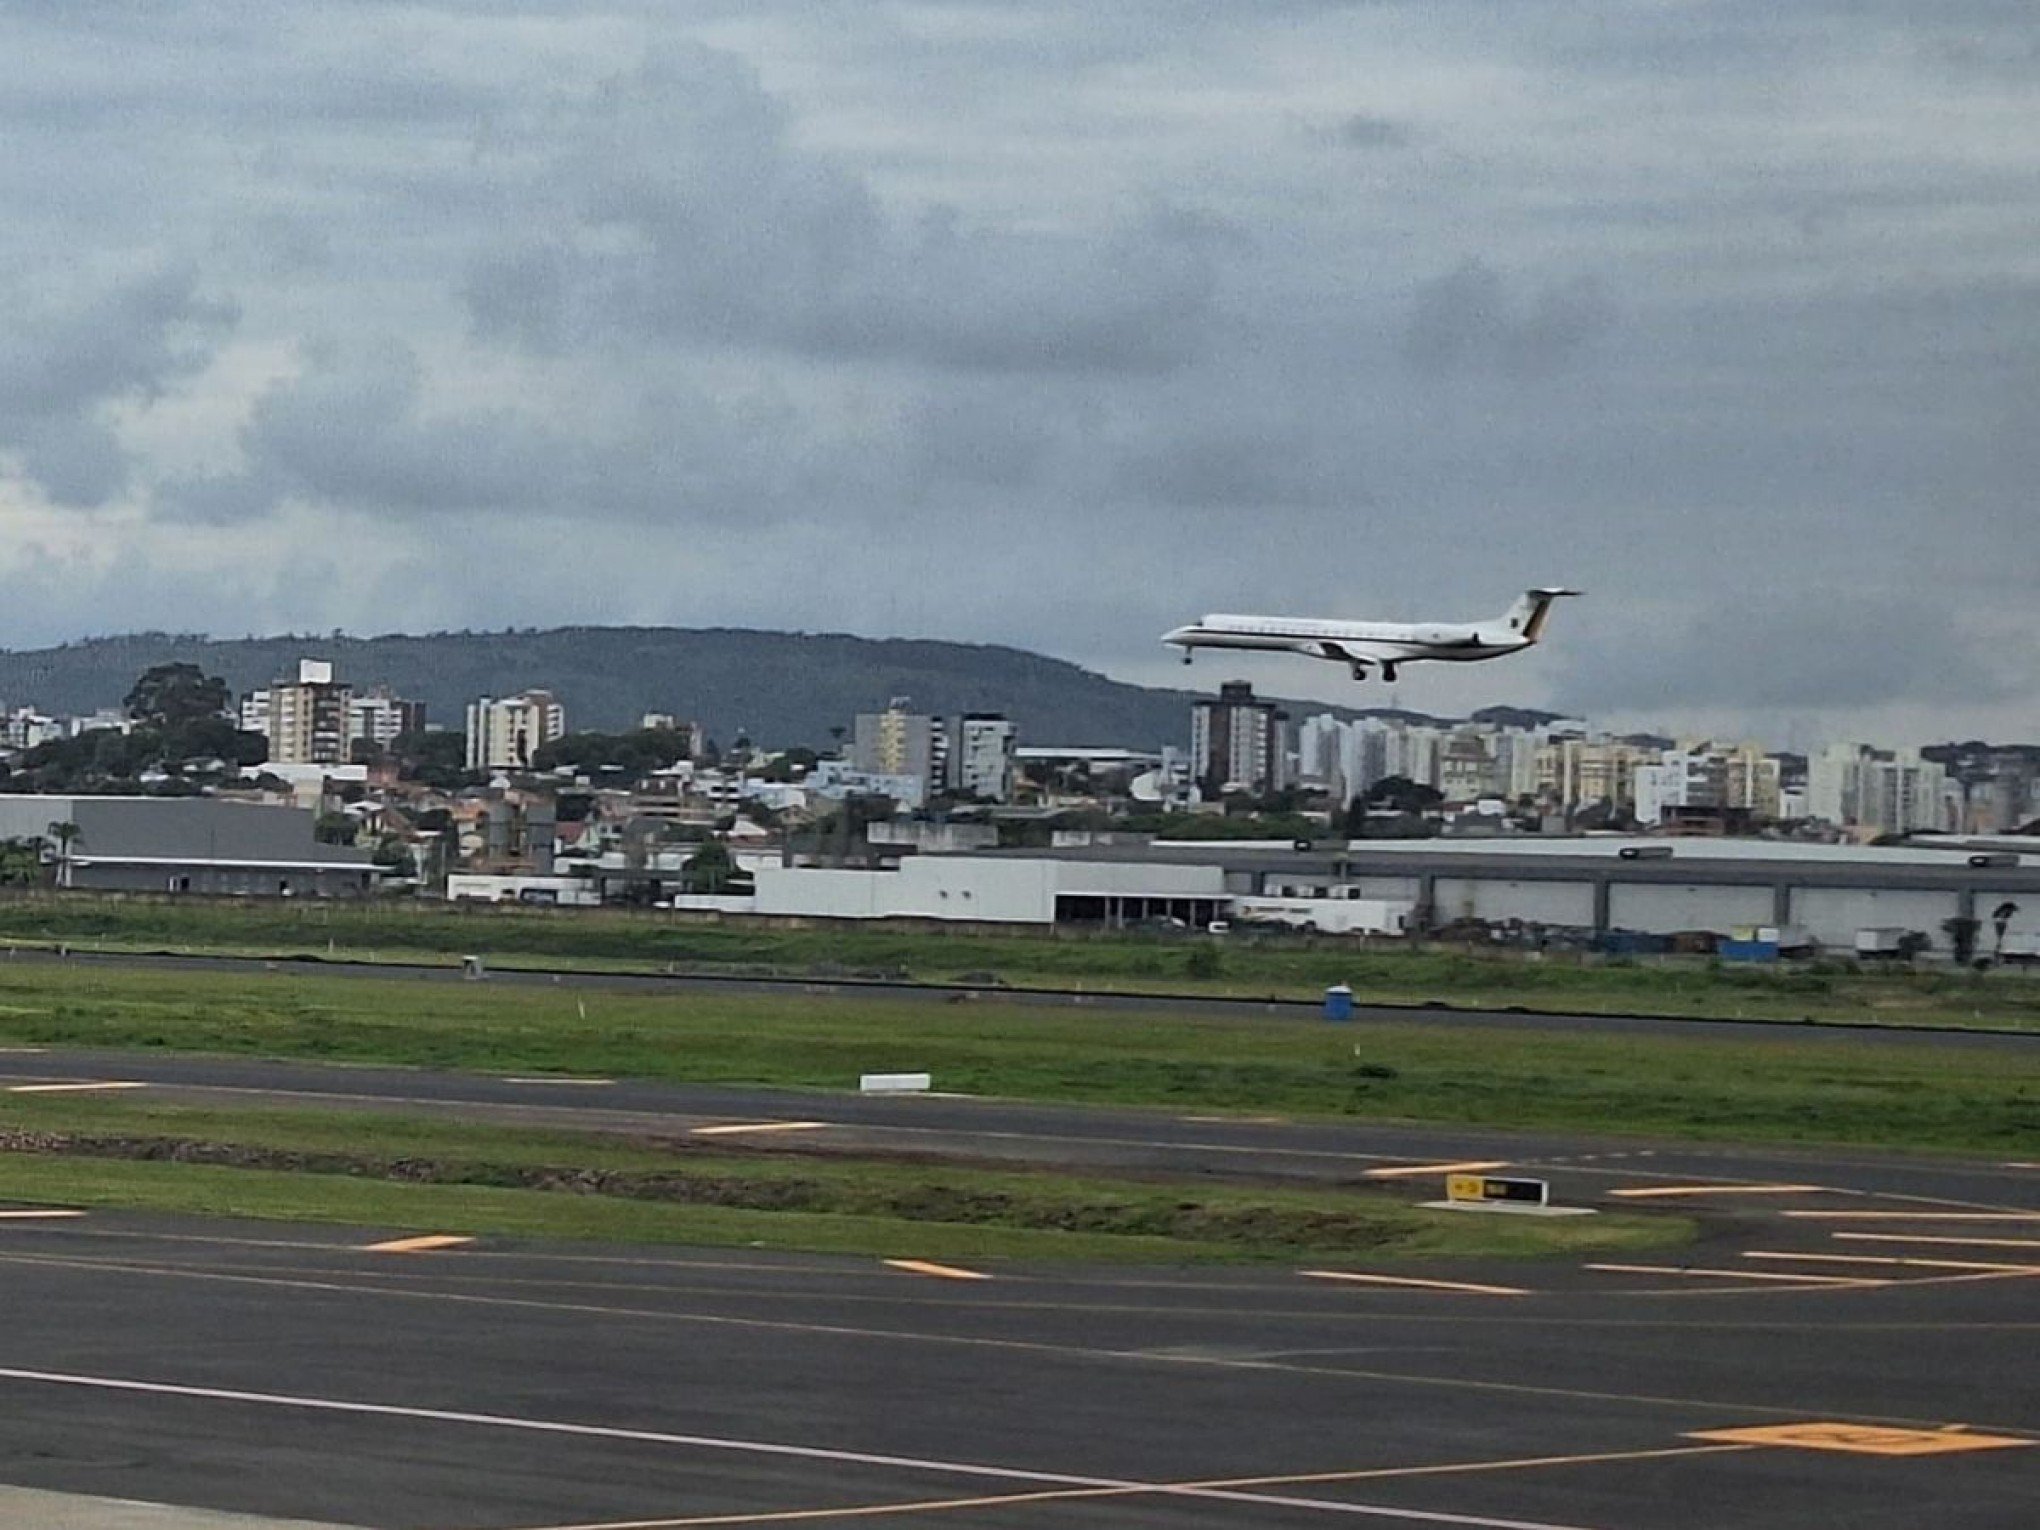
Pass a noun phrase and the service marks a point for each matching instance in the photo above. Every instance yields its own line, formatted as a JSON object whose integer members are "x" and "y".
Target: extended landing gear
{"x": 1359, "y": 671}
{"x": 1186, "y": 656}
{"x": 1388, "y": 673}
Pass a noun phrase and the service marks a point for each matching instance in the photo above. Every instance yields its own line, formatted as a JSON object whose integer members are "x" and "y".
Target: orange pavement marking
{"x": 1916, "y": 1216}
{"x": 1862, "y": 1439}
{"x": 1729, "y": 1189}
{"x": 1813, "y": 1282}
{"x": 939, "y": 1271}
{"x": 1412, "y": 1283}
{"x": 756, "y": 1126}
{"x": 1894, "y": 1259}
{"x": 1437, "y": 1168}
{"x": 1847, "y": 1237}
{"x": 419, "y": 1245}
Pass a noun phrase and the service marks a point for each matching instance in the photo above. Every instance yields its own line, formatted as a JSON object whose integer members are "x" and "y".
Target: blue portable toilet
{"x": 1338, "y": 1002}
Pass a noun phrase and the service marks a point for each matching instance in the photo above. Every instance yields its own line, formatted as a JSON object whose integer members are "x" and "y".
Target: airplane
{"x": 1381, "y": 645}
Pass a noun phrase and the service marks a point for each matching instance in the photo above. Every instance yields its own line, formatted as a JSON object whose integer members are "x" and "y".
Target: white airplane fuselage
{"x": 1374, "y": 645}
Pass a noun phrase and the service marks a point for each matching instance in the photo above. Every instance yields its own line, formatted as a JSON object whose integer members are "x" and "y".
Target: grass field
{"x": 1248, "y": 967}
{"x": 1789, "y": 1088}
{"x": 395, "y": 1171}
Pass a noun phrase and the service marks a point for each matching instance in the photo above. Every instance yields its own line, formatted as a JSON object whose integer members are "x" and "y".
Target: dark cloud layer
{"x": 1046, "y": 324}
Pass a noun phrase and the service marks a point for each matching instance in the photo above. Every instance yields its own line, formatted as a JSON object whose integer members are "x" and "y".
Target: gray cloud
{"x": 1470, "y": 319}
{"x": 796, "y": 313}
{"x": 74, "y": 348}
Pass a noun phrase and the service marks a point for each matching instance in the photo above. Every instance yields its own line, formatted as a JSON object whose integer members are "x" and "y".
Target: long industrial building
{"x": 1655, "y": 886}
{"x": 187, "y": 845}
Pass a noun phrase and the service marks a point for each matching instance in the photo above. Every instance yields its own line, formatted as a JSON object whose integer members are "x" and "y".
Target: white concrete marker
{"x": 896, "y": 1083}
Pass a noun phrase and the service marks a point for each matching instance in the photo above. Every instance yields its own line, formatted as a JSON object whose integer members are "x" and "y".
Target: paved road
{"x": 1289, "y": 1010}
{"x": 296, "y": 1374}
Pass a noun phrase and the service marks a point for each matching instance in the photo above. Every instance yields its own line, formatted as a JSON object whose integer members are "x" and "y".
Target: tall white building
{"x": 506, "y": 734}
{"x": 899, "y": 742}
{"x": 1878, "y": 791}
{"x": 379, "y": 717}
{"x": 981, "y": 756}
{"x": 1236, "y": 742}
{"x": 305, "y": 720}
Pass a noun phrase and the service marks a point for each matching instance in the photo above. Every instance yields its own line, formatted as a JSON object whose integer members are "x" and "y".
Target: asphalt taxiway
{"x": 312, "y": 1376}
{"x": 1853, "y": 1344}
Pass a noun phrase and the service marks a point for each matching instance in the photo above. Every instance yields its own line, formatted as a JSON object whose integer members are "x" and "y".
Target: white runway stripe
{"x": 762, "y": 1448}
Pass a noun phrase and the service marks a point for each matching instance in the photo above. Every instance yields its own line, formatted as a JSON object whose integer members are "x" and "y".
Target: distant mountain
{"x": 781, "y": 688}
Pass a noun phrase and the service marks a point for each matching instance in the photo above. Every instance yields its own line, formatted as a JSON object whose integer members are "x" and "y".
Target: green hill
{"x": 781, "y": 688}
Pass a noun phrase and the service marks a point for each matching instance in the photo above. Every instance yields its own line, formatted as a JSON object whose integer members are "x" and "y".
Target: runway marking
{"x": 1915, "y": 1216}
{"x": 1863, "y": 1439}
{"x": 420, "y": 1245}
{"x": 1893, "y": 1259}
{"x": 939, "y": 1271}
{"x": 1658, "y": 1191}
{"x": 34, "y": 1215}
{"x": 771, "y": 1448}
{"x": 1412, "y": 1282}
{"x": 542, "y": 1079}
{"x": 76, "y": 1088}
{"x": 938, "y": 1505}
{"x": 1806, "y": 1282}
{"x": 1849, "y": 1237}
{"x": 757, "y": 1126}
{"x": 1412, "y": 1170}
{"x": 352, "y": 1286}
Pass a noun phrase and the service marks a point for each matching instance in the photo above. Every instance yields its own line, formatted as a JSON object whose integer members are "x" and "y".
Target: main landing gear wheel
{"x": 1359, "y": 671}
{"x": 1388, "y": 673}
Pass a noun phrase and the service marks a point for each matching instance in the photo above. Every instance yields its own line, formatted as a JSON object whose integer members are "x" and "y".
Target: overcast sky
{"x": 1053, "y": 324}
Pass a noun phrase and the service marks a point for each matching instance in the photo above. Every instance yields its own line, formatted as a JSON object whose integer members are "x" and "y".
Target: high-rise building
{"x": 1236, "y": 742}
{"x": 379, "y": 716}
{"x": 304, "y": 719}
{"x": 980, "y": 760}
{"x": 506, "y": 734}
{"x": 899, "y": 742}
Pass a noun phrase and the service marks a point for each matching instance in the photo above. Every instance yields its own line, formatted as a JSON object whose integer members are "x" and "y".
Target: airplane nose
{"x": 1178, "y": 635}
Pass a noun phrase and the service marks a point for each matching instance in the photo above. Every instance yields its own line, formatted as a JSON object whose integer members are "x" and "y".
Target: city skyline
{"x": 787, "y": 315}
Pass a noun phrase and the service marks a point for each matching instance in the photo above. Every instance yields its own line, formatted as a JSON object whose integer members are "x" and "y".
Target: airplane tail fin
{"x": 1526, "y": 617}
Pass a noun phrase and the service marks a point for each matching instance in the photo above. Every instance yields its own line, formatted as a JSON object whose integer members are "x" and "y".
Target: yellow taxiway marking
{"x": 79, "y": 1088}
{"x": 419, "y": 1245}
{"x": 1412, "y": 1170}
{"x": 1655, "y": 1192}
{"x": 1813, "y": 1282}
{"x": 1893, "y": 1259}
{"x": 1916, "y": 1216}
{"x": 735, "y": 1127}
{"x": 31, "y": 1214}
{"x": 939, "y": 1271}
{"x": 1411, "y": 1282}
{"x": 1862, "y": 1439}
{"x": 1163, "y": 1489}
{"x": 1849, "y": 1237}
{"x": 540, "y": 1079}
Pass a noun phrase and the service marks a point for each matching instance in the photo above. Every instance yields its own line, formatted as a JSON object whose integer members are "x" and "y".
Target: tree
{"x": 168, "y": 696}
{"x": 709, "y": 870}
{"x": 1961, "y": 933}
{"x": 2001, "y": 921}
{"x": 65, "y": 834}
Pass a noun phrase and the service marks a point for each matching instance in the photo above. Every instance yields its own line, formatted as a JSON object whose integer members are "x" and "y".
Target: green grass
{"x": 486, "y": 1179}
{"x": 619, "y": 940}
{"x": 1790, "y": 1087}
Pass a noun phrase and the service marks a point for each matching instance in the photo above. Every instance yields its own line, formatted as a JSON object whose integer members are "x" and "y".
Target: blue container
{"x": 1748, "y": 950}
{"x": 1338, "y": 1002}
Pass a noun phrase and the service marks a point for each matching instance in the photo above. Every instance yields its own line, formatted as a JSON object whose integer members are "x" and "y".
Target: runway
{"x": 300, "y": 1376}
